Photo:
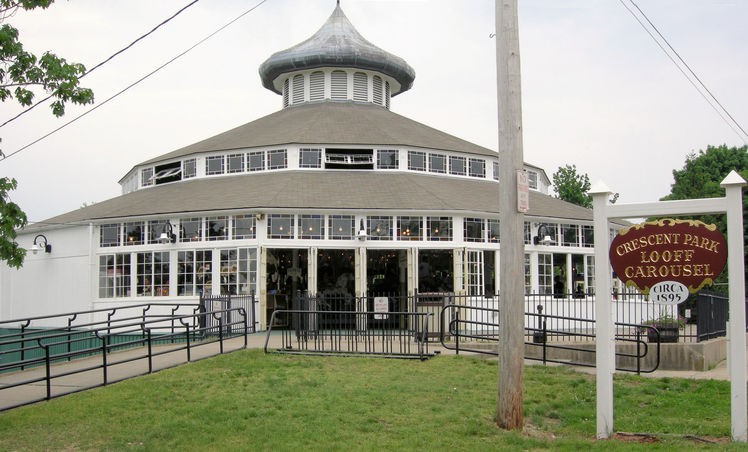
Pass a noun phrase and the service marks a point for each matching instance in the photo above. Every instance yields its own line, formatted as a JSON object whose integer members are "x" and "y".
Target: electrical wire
{"x": 104, "y": 62}
{"x": 231, "y": 22}
{"x": 701, "y": 87}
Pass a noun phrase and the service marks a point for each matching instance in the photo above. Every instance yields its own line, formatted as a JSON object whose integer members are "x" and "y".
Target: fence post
{"x": 220, "y": 331}
{"x": 103, "y": 355}
{"x": 48, "y": 369}
{"x": 243, "y": 313}
{"x": 150, "y": 349}
{"x": 23, "y": 342}
{"x": 457, "y": 333}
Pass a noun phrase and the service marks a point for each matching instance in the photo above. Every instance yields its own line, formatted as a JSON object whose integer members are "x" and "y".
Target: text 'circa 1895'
{"x": 689, "y": 252}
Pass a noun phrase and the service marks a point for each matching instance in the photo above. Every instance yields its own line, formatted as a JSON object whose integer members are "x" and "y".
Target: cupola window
{"x": 339, "y": 85}
{"x": 360, "y": 87}
{"x": 298, "y": 89}
{"x": 317, "y": 86}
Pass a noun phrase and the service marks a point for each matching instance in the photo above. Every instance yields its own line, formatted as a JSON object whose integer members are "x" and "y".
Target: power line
{"x": 711, "y": 100}
{"x": 138, "y": 81}
{"x": 103, "y": 62}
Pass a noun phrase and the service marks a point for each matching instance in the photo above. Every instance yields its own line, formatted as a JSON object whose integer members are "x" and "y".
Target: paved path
{"x": 130, "y": 363}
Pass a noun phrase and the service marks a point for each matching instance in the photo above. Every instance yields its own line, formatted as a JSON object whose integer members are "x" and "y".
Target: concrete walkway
{"x": 88, "y": 373}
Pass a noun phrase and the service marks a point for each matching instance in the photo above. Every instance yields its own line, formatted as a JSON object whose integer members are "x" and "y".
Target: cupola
{"x": 336, "y": 64}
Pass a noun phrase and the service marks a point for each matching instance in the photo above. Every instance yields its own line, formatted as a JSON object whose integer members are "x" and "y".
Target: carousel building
{"x": 332, "y": 194}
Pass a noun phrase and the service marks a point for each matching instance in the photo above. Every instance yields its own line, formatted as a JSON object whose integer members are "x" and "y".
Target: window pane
{"x": 216, "y": 228}
{"x": 277, "y": 159}
{"x": 588, "y": 236}
{"x": 387, "y": 159}
{"x": 310, "y": 158}
{"x": 380, "y": 228}
{"x": 341, "y": 227}
{"x": 437, "y": 163}
{"x": 189, "y": 168}
{"x": 190, "y": 230}
{"x": 235, "y": 163}
{"x": 247, "y": 274}
{"x": 109, "y": 235}
{"x": 409, "y": 228}
{"x": 416, "y": 161}
{"x": 457, "y": 166}
{"x": 439, "y": 228}
{"x": 494, "y": 234}
{"x": 214, "y": 165}
{"x": 203, "y": 273}
{"x": 311, "y": 227}
{"x": 495, "y": 170}
{"x": 256, "y": 161}
{"x": 155, "y": 228}
{"x": 135, "y": 233}
{"x": 280, "y": 226}
{"x": 474, "y": 229}
{"x": 244, "y": 227}
{"x": 146, "y": 177}
{"x": 186, "y": 273}
{"x": 477, "y": 168}
{"x": 569, "y": 235}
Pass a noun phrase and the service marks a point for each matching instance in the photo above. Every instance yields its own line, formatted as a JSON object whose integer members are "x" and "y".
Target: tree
{"x": 22, "y": 72}
{"x": 571, "y": 186}
{"x": 701, "y": 176}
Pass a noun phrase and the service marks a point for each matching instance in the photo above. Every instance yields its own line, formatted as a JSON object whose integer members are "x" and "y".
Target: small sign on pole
{"x": 523, "y": 192}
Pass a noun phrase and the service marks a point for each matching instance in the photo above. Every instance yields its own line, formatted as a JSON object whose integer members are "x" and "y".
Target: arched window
{"x": 360, "y": 87}
{"x": 377, "y": 90}
{"x": 339, "y": 85}
{"x": 298, "y": 89}
{"x": 285, "y": 93}
{"x": 317, "y": 86}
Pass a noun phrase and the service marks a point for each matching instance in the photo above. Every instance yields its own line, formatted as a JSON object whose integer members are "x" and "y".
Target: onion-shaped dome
{"x": 336, "y": 44}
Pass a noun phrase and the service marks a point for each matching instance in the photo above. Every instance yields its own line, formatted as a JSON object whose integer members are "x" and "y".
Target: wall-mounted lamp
{"x": 38, "y": 246}
{"x": 259, "y": 216}
{"x": 542, "y": 232}
{"x": 167, "y": 234}
{"x": 361, "y": 235}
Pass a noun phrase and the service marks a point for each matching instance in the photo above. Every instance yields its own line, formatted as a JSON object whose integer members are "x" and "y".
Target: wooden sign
{"x": 688, "y": 252}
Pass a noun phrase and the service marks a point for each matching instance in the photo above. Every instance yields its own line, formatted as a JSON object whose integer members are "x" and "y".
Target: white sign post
{"x": 732, "y": 204}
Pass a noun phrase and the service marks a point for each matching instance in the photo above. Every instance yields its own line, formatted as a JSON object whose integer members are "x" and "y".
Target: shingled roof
{"x": 330, "y": 123}
{"x": 359, "y": 191}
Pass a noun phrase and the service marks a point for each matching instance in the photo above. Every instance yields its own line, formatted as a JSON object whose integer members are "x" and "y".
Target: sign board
{"x": 523, "y": 192}
{"x": 381, "y": 304}
{"x": 668, "y": 292}
{"x": 665, "y": 254}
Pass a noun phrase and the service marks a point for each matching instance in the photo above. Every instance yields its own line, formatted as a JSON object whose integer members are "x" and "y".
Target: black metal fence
{"x": 136, "y": 332}
{"x": 228, "y": 303}
{"x": 476, "y": 329}
{"x": 366, "y": 325}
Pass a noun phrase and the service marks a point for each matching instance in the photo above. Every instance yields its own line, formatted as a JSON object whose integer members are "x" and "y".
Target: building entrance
{"x": 387, "y": 276}
{"x": 336, "y": 280}
{"x": 286, "y": 271}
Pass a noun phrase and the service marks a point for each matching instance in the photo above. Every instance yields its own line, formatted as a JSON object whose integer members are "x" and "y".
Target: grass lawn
{"x": 250, "y": 401}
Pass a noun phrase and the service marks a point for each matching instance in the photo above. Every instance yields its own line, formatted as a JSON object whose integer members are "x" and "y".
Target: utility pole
{"x": 512, "y": 257}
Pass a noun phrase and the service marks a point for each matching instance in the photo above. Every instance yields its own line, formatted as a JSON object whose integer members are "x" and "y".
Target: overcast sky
{"x": 596, "y": 90}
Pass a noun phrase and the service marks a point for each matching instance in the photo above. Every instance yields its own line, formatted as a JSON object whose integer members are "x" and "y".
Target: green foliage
{"x": 701, "y": 176}
{"x": 20, "y": 73}
{"x": 11, "y": 218}
{"x": 571, "y": 186}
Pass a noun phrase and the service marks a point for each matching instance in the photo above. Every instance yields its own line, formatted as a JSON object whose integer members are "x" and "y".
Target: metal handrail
{"x": 105, "y": 347}
{"x": 454, "y": 323}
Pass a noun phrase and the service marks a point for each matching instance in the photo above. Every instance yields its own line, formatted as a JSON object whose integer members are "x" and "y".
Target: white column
{"x": 733, "y": 185}
{"x": 604, "y": 334}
